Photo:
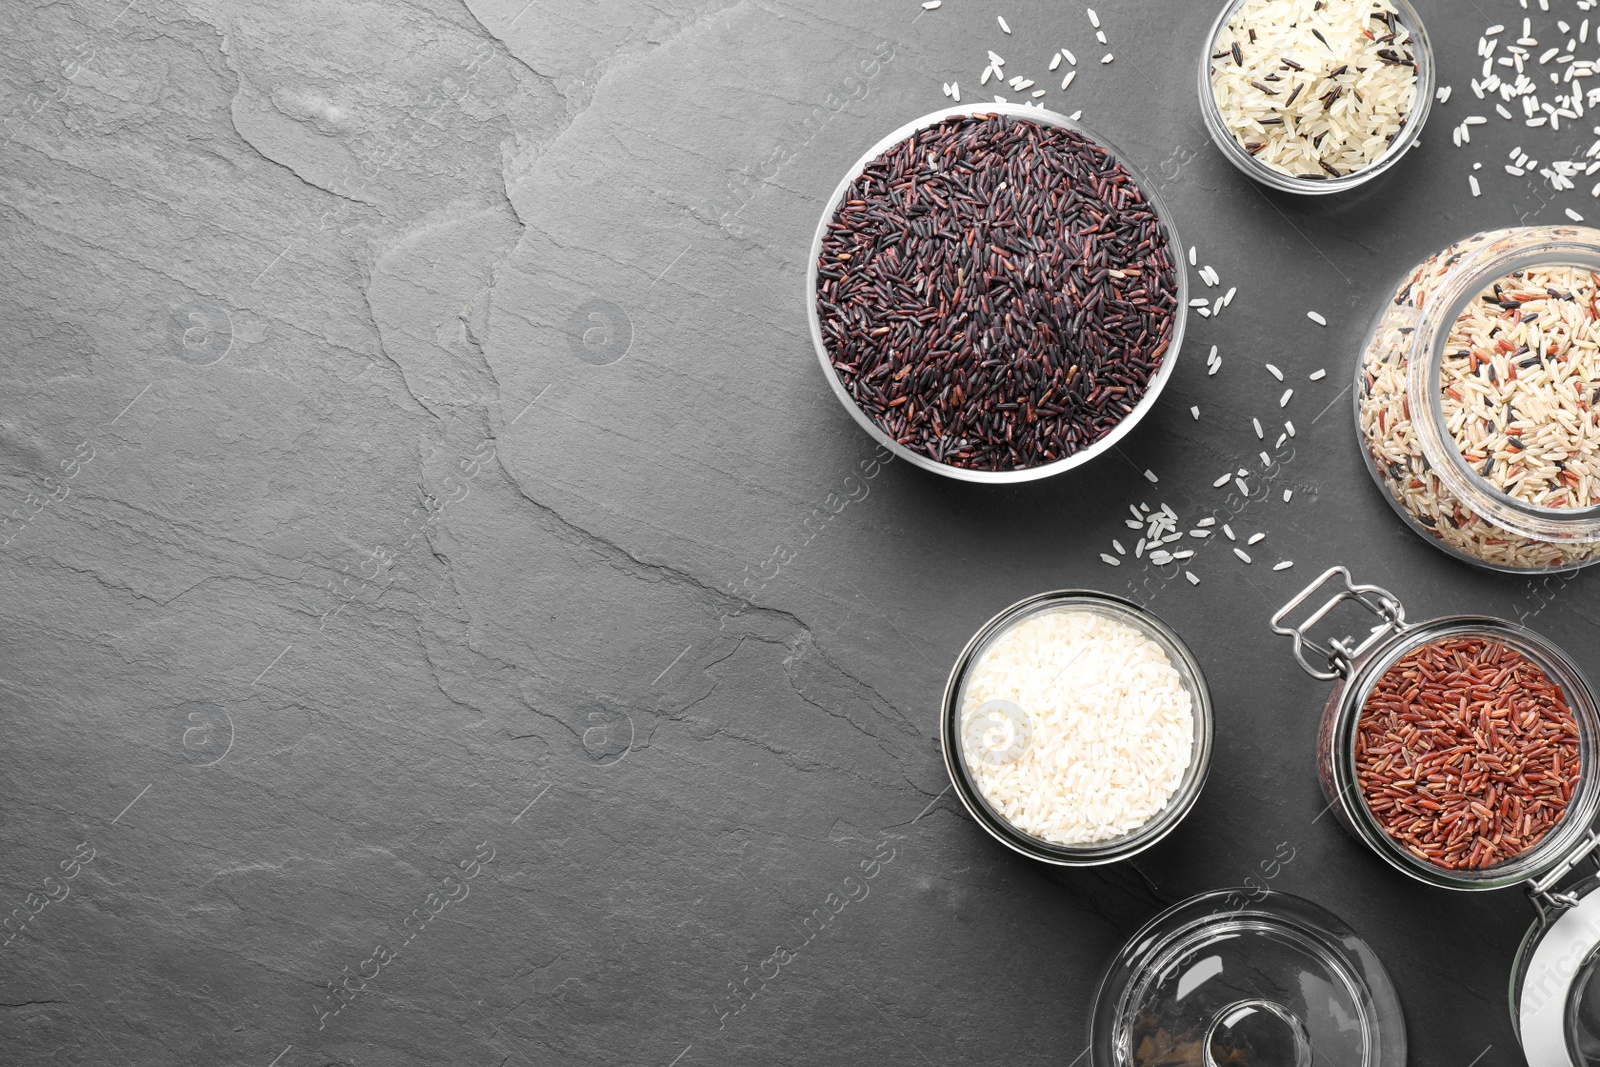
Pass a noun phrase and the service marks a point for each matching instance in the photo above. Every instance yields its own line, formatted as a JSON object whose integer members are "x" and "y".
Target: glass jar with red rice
{"x": 1464, "y": 751}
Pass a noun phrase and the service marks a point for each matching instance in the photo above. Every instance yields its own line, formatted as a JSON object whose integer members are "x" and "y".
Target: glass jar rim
{"x": 1252, "y": 167}
{"x": 1462, "y": 282}
{"x": 1561, "y": 839}
{"x": 1113, "y": 849}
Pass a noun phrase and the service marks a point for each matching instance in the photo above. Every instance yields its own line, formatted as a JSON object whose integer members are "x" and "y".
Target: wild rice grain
{"x": 969, "y": 305}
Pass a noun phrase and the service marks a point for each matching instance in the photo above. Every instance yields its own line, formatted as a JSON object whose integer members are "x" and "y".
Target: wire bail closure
{"x": 1339, "y": 654}
{"x": 1547, "y": 901}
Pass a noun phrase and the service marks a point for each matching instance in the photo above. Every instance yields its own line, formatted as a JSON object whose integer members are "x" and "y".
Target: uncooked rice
{"x": 1519, "y": 382}
{"x": 1314, "y": 89}
{"x": 1384, "y": 414}
{"x": 1112, "y": 733}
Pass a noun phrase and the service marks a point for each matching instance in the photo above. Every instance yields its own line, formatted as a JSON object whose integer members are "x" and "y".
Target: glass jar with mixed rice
{"x": 1464, "y": 751}
{"x": 1477, "y": 399}
{"x": 1077, "y": 728}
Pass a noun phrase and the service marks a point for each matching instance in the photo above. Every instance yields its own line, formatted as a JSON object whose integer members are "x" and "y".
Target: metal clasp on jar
{"x": 1340, "y": 654}
{"x": 1542, "y": 892}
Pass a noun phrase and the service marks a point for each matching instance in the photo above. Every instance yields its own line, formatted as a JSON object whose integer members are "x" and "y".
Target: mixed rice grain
{"x": 1519, "y": 383}
{"x": 1314, "y": 89}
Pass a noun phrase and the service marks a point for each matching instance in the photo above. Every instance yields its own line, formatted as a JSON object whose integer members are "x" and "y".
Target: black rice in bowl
{"x": 996, "y": 293}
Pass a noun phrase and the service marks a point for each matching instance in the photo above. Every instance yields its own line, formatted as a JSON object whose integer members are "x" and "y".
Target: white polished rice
{"x": 1113, "y": 733}
{"x": 1316, "y": 88}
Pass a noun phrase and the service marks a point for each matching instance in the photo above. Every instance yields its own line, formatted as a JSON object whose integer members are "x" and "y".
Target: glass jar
{"x": 1401, "y": 422}
{"x": 1410, "y": 130}
{"x": 1357, "y": 668}
{"x": 1555, "y": 980}
{"x": 963, "y": 740}
{"x": 1246, "y": 979}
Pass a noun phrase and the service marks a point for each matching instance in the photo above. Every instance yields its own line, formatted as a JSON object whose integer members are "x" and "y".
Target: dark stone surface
{"x": 431, "y": 393}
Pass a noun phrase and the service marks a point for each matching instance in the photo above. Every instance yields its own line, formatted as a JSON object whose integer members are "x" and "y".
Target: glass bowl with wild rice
{"x": 1077, "y": 728}
{"x": 1316, "y": 96}
{"x": 995, "y": 293}
{"x": 1477, "y": 399}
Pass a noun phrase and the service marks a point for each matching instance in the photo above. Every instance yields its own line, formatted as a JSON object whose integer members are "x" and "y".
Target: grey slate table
{"x": 448, "y": 620}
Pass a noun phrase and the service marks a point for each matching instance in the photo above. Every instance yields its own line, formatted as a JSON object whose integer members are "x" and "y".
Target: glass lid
{"x": 1556, "y": 982}
{"x": 1247, "y": 979}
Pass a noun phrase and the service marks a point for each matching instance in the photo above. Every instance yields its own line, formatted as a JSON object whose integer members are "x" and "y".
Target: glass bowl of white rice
{"x": 1316, "y": 96}
{"x": 1077, "y": 728}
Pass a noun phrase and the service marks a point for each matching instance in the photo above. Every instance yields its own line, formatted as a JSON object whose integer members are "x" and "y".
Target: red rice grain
{"x": 1466, "y": 753}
